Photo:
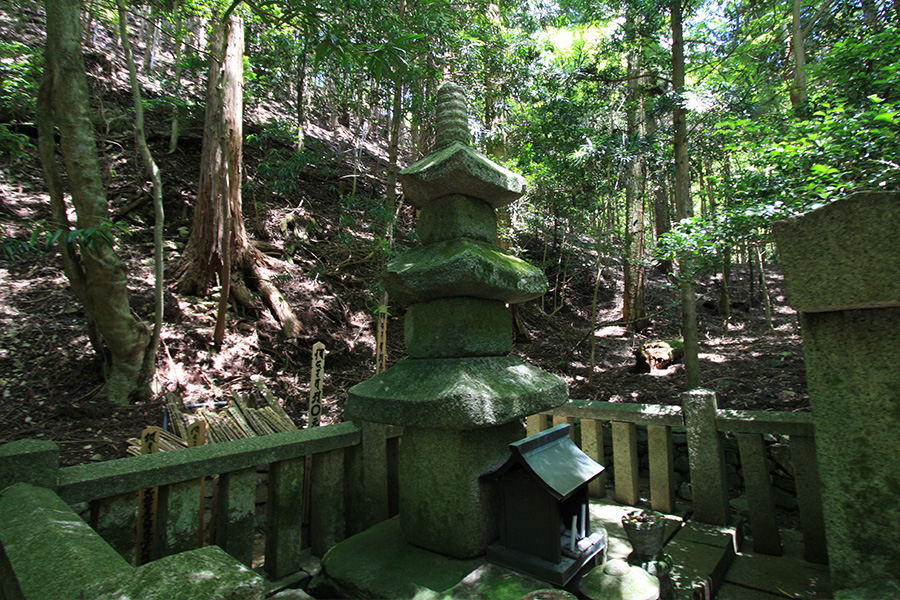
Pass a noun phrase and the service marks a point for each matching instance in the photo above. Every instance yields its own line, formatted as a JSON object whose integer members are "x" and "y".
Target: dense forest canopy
{"x": 653, "y": 135}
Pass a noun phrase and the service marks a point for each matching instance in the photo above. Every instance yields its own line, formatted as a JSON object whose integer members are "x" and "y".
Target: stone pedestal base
{"x": 379, "y": 563}
{"x": 443, "y": 505}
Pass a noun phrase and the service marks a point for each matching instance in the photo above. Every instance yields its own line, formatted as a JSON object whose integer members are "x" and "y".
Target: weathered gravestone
{"x": 842, "y": 269}
{"x": 459, "y": 395}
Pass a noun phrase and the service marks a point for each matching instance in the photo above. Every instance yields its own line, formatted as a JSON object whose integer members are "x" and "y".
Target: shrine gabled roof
{"x": 559, "y": 466}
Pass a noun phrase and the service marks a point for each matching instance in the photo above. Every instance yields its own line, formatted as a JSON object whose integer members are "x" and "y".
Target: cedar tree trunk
{"x": 219, "y": 245}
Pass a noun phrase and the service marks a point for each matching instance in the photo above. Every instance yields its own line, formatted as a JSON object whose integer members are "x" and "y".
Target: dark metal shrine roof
{"x": 553, "y": 458}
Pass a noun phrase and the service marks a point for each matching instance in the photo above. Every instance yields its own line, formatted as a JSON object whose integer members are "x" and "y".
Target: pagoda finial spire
{"x": 452, "y": 116}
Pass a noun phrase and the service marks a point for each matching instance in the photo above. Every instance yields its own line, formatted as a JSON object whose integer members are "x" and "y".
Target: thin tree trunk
{"x": 594, "y": 297}
{"x": 662, "y": 222}
{"x": 152, "y": 37}
{"x": 752, "y": 298}
{"x": 633, "y": 309}
{"x": 301, "y": 96}
{"x": 394, "y": 144}
{"x": 140, "y": 139}
{"x": 798, "y": 89}
{"x": 179, "y": 45}
{"x": 684, "y": 204}
{"x": 725, "y": 293}
{"x": 763, "y": 287}
{"x": 97, "y": 275}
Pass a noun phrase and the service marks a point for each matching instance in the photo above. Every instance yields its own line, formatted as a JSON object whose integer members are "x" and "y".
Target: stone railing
{"x": 348, "y": 469}
{"x": 704, "y": 428}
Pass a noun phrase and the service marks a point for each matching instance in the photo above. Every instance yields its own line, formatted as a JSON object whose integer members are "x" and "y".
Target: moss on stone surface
{"x": 456, "y": 327}
{"x": 459, "y": 169}
{"x": 843, "y": 255}
{"x": 444, "y": 505}
{"x": 457, "y": 216}
{"x": 206, "y": 572}
{"x": 456, "y": 393}
{"x": 379, "y": 563}
{"x": 462, "y": 267}
{"x": 52, "y": 551}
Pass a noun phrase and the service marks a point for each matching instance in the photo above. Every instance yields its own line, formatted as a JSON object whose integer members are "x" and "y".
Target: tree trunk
{"x": 684, "y": 203}
{"x": 140, "y": 140}
{"x": 662, "y": 222}
{"x": 763, "y": 287}
{"x": 219, "y": 208}
{"x": 798, "y": 88}
{"x": 179, "y": 45}
{"x": 218, "y": 159}
{"x": 394, "y": 144}
{"x": 152, "y": 37}
{"x": 725, "y": 293}
{"x": 97, "y": 275}
{"x": 301, "y": 96}
{"x": 633, "y": 309}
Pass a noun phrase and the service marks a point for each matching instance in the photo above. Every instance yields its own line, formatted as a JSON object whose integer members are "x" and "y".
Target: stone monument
{"x": 842, "y": 275}
{"x": 460, "y": 396}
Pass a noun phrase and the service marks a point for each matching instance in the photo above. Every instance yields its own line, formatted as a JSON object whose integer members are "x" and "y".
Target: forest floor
{"x": 328, "y": 251}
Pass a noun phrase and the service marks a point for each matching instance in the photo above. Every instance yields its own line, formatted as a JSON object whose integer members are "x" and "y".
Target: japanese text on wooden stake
{"x": 196, "y": 436}
{"x": 381, "y": 340}
{"x": 147, "y": 504}
{"x": 315, "y": 383}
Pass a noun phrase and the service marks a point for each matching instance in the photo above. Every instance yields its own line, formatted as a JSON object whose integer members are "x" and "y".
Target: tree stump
{"x": 657, "y": 355}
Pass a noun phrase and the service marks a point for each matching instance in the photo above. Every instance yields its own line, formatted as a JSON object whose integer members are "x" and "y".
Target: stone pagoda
{"x": 460, "y": 396}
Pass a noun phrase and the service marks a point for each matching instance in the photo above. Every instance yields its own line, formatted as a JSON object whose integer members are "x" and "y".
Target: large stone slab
{"x": 462, "y": 267}
{"x": 843, "y": 255}
{"x": 456, "y": 393}
{"x": 784, "y": 576}
{"x": 855, "y": 398}
{"x": 379, "y": 563}
{"x": 206, "y": 572}
{"x": 459, "y": 169}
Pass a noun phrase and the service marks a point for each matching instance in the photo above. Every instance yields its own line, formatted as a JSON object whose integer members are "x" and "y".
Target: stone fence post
{"x": 29, "y": 461}
{"x": 841, "y": 271}
{"x": 706, "y": 455}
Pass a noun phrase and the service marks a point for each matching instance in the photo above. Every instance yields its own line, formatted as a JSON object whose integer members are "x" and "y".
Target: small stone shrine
{"x": 842, "y": 275}
{"x": 460, "y": 396}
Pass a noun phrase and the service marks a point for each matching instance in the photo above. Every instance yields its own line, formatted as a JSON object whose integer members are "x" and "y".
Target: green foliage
{"x": 88, "y": 238}
{"x": 13, "y": 248}
{"x": 14, "y": 145}
{"x": 281, "y": 170}
{"x": 278, "y": 133}
{"x": 20, "y": 77}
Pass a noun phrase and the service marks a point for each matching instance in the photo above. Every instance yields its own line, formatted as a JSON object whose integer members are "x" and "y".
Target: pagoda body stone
{"x": 459, "y": 395}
